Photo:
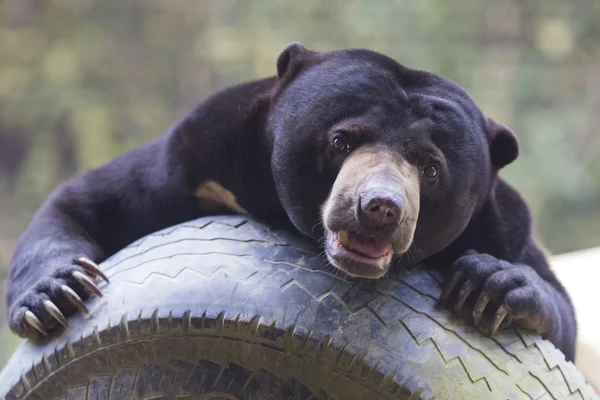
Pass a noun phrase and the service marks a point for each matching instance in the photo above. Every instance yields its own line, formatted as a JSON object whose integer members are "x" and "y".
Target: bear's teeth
{"x": 344, "y": 240}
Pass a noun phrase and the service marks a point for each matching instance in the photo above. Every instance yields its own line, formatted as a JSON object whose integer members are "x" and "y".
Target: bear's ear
{"x": 504, "y": 146}
{"x": 291, "y": 59}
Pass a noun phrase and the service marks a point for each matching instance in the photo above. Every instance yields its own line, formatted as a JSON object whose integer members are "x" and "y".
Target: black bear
{"x": 386, "y": 165}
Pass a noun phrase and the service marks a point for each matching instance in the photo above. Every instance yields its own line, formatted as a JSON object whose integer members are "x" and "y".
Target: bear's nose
{"x": 380, "y": 209}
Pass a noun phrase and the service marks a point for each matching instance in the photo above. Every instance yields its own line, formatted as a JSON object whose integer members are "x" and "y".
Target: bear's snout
{"x": 380, "y": 209}
{"x": 371, "y": 212}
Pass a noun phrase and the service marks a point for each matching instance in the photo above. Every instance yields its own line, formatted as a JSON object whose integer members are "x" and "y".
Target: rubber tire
{"x": 225, "y": 308}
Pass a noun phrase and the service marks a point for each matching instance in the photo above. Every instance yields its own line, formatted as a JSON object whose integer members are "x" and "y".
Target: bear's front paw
{"x": 45, "y": 305}
{"x": 499, "y": 290}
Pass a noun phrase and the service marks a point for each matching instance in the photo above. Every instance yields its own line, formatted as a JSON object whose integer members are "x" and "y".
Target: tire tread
{"x": 533, "y": 365}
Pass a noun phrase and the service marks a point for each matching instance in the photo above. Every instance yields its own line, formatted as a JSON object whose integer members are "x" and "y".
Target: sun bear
{"x": 386, "y": 166}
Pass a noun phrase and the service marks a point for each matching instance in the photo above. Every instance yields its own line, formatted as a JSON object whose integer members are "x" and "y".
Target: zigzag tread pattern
{"x": 573, "y": 388}
{"x": 319, "y": 298}
{"x": 536, "y": 345}
{"x": 192, "y": 226}
{"x": 547, "y": 352}
{"x": 527, "y": 359}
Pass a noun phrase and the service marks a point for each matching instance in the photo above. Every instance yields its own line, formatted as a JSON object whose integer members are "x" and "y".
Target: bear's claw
{"x": 449, "y": 286}
{"x": 87, "y": 283}
{"x": 480, "y": 305}
{"x": 74, "y": 298}
{"x": 35, "y": 322}
{"x": 499, "y": 316}
{"x": 55, "y": 297}
{"x": 91, "y": 267}
{"x": 463, "y": 294}
{"x": 54, "y": 311}
{"x": 499, "y": 289}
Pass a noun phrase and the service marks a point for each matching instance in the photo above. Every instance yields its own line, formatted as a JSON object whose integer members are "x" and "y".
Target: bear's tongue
{"x": 369, "y": 247}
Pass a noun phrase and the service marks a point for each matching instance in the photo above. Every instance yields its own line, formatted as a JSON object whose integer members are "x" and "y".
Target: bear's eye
{"x": 431, "y": 172}
{"x": 340, "y": 144}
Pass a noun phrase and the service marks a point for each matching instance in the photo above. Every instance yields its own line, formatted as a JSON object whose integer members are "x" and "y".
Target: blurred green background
{"x": 82, "y": 81}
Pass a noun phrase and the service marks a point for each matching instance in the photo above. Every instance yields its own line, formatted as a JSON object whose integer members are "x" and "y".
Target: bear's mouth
{"x": 363, "y": 246}
{"x": 358, "y": 255}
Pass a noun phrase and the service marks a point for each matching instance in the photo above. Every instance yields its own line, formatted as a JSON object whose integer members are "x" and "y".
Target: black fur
{"x": 267, "y": 142}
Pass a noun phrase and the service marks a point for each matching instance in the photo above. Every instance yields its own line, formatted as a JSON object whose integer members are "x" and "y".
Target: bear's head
{"x": 383, "y": 163}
